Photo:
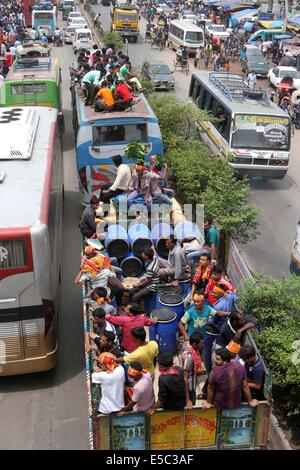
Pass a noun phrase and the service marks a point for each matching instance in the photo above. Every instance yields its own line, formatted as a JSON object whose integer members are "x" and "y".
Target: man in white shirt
{"x": 111, "y": 377}
{"x": 121, "y": 183}
{"x": 33, "y": 34}
{"x": 252, "y": 80}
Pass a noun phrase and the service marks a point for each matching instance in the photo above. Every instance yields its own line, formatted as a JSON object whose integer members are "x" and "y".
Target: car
{"x": 60, "y": 5}
{"x": 277, "y": 74}
{"x": 105, "y": 3}
{"x": 69, "y": 34}
{"x": 82, "y": 38}
{"x": 254, "y": 62}
{"x": 160, "y": 74}
{"x": 217, "y": 31}
{"x": 74, "y": 14}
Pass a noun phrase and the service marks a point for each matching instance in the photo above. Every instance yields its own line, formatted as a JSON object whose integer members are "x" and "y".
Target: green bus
{"x": 32, "y": 81}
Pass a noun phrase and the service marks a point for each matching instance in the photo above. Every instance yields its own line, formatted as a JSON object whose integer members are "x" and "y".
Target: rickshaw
{"x": 148, "y": 35}
{"x": 182, "y": 63}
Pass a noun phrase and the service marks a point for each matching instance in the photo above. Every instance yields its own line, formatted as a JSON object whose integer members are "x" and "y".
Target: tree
{"x": 276, "y": 306}
{"x": 115, "y": 38}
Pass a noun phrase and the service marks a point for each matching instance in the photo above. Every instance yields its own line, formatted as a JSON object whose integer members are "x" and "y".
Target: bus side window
{"x": 202, "y": 98}
{"x": 181, "y": 33}
{"x": 195, "y": 92}
{"x": 208, "y": 102}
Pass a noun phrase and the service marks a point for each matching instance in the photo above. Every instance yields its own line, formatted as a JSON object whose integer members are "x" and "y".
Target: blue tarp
{"x": 235, "y": 17}
{"x": 248, "y": 26}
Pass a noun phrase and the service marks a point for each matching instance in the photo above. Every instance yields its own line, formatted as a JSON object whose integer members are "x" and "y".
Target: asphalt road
{"x": 49, "y": 410}
{"x": 279, "y": 201}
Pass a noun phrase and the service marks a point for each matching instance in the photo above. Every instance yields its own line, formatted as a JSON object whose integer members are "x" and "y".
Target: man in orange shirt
{"x": 104, "y": 100}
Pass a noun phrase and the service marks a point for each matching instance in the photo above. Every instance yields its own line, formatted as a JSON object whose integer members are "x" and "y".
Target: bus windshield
{"x": 261, "y": 132}
{"x": 128, "y": 17}
{"x": 119, "y": 133}
{"x": 193, "y": 37}
{"x": 43, "y": 15}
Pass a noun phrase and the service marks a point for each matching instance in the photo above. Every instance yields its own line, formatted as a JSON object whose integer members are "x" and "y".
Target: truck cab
{"x": 125, "y": 20}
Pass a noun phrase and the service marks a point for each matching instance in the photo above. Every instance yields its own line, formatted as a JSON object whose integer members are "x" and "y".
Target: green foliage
{"x": 147, "y": 84}
{"x": 115, "y": 38}
{"x": 201, "y": 178}
{"x": 136, "y": 151}
{"x": 176, "y": 119}
{"x": 276, "y": 306}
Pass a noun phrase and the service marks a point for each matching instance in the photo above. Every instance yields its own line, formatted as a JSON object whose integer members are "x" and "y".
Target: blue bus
{"x": 46, "y": 19}
{"x": 100, "y": 136}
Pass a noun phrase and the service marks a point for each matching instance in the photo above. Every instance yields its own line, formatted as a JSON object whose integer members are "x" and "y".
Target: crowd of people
{"x": 212, "y": 363}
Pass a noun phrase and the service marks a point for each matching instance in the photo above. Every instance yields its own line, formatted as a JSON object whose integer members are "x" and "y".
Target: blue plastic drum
{"x": 173, "y": 300}
{"x": 150, "y": 302}
{"x": 187, "y": 231}
{"x": 164, "y": 332}
{"x": 159, "y": 233}
{"x": 132, "y": 266}
{"x": 116, "y": 241}
{"x": 139, "y": 238}
{"x": 186, "y": 287}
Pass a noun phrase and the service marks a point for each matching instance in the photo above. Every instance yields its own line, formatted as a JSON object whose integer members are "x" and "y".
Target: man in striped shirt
{"x": 149, "y": 283}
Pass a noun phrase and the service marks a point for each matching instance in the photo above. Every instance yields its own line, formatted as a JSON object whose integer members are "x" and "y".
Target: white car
{"x": 82, "y": 39}
{"x": 276, "y": 75}
{"x": 69, "y": 34}
{"x": 217, "y": 31}
{"x": 77, "y": 20}
{"x": 74, "y": 14}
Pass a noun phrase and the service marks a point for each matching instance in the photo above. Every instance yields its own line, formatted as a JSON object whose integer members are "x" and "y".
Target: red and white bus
{"x": 31, "y": 181}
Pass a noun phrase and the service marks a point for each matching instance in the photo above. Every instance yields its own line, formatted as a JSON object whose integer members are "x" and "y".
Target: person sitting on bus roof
{"x": 143, "y": 393}
{"x": 104, "y": 100}
{"x": 121, "y": 183}
{"x": 111, "y": 377}
{"x": 90, "y": 81}
{"x": 123, "y": 96}
{"x": 129, "y": 77}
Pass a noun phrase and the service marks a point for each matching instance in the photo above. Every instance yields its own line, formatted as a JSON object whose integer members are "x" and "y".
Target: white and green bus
{"x": 248, "y": 127}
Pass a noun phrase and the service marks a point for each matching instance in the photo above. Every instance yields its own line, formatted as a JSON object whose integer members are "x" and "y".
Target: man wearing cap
{"x": 111, "y": 377}
{"x": 87, "y": 222}
{"x": 143, "y": 393}
{"x": 121, "y": 183}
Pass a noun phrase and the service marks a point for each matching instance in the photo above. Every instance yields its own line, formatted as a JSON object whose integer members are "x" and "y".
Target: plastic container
{"x": 187, "y": 231}
{"x": 139, "y": 238}
{"x": 173, "y": 300}
{"x": 116, "y": 241}
{"x": 164, "y": 332}
{"x": 159, "y": 233}
{"x": 131, "y": 265}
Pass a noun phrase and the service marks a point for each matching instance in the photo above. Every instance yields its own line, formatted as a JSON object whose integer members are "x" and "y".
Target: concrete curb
{"x": 278, "y": 441}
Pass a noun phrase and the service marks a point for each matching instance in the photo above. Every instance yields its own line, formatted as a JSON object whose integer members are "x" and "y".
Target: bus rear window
{"x": 120, "y": 133}
{"x": 13, "y": 254}
{"x": 28, "y": 88}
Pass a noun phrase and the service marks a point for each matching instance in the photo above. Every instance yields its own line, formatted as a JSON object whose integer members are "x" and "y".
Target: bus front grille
{"x": 10, "y": 334}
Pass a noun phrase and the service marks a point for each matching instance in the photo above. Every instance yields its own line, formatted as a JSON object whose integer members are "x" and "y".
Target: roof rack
{"x": 234, "y": 87}
{"x": 32, "y": 63}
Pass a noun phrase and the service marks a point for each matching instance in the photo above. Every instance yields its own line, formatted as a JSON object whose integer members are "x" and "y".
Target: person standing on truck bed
{"x": 143, "y": 393}
{"x": 121, "y": 183}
